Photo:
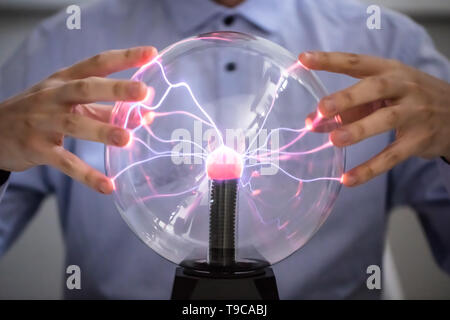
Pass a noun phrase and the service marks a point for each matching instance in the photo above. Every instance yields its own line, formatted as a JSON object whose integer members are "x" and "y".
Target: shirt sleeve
{"x": 425, "y": 184}
{"x": 444, "y": 170}
{"x": 4, "y": 175}
{"x": 20, "y": 202}
{"x": 3, "y": 189}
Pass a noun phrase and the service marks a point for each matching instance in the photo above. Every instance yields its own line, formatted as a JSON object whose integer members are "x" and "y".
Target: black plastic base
{"x": 189, "y": 285}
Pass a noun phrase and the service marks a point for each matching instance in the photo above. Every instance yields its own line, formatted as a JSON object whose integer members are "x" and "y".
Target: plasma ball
{"x": 224, "y": 163}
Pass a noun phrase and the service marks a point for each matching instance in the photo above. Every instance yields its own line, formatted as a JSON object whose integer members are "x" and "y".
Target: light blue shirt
{"x": 114, "y": 263}
{"x": 3, "y": 189}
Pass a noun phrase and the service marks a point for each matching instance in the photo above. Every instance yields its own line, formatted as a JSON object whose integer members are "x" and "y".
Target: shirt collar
{"x": 189, "y": 15}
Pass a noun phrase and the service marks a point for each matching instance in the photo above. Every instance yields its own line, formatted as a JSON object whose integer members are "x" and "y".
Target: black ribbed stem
{"x": 222, "y": 223}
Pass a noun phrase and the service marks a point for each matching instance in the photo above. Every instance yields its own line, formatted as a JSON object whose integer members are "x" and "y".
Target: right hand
{"x": 33, "y": 123}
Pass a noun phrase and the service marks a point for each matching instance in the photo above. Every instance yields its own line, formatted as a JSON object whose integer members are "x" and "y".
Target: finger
{"x": 99, "y": 89}
{"x": 315, "y": 122}
{"x": 378, "y": 122}
{"x": 361, "y": 111}
{"x": 77, "y": 169}
{"x": 109, "y": 62}
{"x": 364, "y": 92}
{"x": 85, "y": 128}
{"x": 96, "y": 111}
{"x": 392, "y": 155}
{"x": 354, "y": 65}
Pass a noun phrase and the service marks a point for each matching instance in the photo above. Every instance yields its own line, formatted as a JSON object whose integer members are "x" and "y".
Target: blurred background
{"x": 33, "y": 267}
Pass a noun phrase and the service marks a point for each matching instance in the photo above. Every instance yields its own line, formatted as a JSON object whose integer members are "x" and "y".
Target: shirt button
{"x": 228, "y": 21}
{"x": 230, "y": 66}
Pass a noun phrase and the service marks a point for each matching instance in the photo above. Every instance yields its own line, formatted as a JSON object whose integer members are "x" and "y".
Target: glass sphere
{"x": 229, "y": 124}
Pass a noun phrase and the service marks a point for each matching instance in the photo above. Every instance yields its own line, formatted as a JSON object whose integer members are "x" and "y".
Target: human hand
{"x": 390, "y": 96}
{"x": 33, "y": 124}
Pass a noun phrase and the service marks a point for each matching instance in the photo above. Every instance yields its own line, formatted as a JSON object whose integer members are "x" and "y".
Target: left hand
{"x": 390, "y": 96}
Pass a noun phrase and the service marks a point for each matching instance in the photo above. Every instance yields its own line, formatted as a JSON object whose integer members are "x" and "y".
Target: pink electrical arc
{"x": 263, "y": 155}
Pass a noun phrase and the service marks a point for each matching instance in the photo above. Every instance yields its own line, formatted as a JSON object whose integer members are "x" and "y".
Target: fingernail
{"x": 350, "y": 180}
{"x": 329, "y": 106}
{"x": 105, "y": 187}
{"x": 119, "y": 137}
{"x": 135, "y": 90}
{"x": 308, "y": 55}
{"x": 147, "y": 53}
{"x": 342, "y": 136}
